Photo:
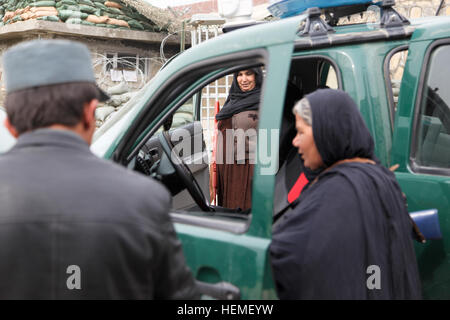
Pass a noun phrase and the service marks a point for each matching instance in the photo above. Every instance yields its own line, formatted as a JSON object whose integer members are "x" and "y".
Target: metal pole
{"x": 183, "y": 36}
{"x": 440, "y": 7}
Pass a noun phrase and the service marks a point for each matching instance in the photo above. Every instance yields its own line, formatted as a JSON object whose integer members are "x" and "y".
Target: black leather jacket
{"x": 73, "y": 226}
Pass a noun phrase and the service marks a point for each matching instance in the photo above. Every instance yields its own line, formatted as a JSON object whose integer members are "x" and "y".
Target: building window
{"x": 126, "y": 67}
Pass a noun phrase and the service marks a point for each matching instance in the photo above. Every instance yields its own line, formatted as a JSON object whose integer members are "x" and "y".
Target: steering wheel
{"x": 183, "y": 172}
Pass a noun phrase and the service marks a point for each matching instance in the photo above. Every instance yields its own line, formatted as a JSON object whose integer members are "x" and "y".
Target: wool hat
{"x": 46, "y": 62}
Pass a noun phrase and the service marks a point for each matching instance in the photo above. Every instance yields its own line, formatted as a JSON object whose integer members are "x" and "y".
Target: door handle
{"x": 220, "y": 290}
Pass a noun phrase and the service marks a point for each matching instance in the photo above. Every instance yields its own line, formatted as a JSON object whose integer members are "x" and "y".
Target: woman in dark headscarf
{"x": 235, "y": 167}
{"x": 349, "y": 235}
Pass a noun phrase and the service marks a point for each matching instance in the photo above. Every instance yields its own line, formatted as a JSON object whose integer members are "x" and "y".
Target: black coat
{"x": 347, "y": 223}
{"x": 61, "y": 206}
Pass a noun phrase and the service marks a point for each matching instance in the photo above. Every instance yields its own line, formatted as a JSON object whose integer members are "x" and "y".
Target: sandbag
{"x": 87, "y": 23}
{"x": 120, "y": 88}
{"x": 66, "y": 14}
{"x": 126, "y": 97}
{"x": 20, "y": 11}
{"x": 121, "y": 17}
{"x": 119, "y": 100}
{"x": 135, "y": 24}
{"x": 43, "y": 14}
{"x": 51, "y": 9}
{"x": 96, "y": 19}
{"x": 100, "y": 5}
{"x": 26, "y": 15}
{"x": 110, "y": 15}
{"x": 149, "y": 27}
{"x": 15, "y": 19}
{"x": 115, "y": 101}
{"x": 113, "y": 4}
{"x": 114, "y": 11}
{"x": 135, "y": 16}
{"x": 102, "y": 25}
{"x": 49, "y": 18}
{"x": 67, "y": 2}
{"x": 73, "y": 21}
{"x": 86, "y": 2}
{"x": 8, "y": 15}
{"x": 69, "y": 7}
{"x": 44, "y": 3}
{"x": 10, "y": 5}
{"x": 102, "y": 112}
{"x": 87, "y": 9}
{"x": 117, "y": 22}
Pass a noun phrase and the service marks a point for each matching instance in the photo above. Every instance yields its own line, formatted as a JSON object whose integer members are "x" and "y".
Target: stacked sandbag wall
{"x": 120, "y": 94}
{"x": 100, "y": 13}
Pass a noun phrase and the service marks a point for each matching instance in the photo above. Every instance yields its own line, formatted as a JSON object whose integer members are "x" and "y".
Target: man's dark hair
{"x": 40, "y": 107}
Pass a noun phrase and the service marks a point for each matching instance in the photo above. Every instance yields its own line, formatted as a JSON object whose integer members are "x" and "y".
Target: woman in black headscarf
{"x": 349, "y": 235}
{"x": 235, "y": 167}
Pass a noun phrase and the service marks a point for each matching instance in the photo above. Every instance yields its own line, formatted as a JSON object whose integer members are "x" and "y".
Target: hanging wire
{"x": 163, "y": 42}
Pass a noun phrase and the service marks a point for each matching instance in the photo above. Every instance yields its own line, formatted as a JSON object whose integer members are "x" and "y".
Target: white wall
{"x": 173, "y": 3}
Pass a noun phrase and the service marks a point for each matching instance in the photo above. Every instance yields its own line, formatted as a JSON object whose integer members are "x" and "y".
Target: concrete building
{"x": 187, "y": 8}
{"x": 121, "y": 55}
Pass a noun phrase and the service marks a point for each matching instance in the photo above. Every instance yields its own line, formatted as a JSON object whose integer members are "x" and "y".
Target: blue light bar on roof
{"x": 288, "y": 8}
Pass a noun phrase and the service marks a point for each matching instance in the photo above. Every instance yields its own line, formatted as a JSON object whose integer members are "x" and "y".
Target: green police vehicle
{"x": 407, "y": 111}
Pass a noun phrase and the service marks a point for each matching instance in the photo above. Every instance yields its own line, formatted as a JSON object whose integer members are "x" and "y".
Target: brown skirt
{"x": 234, "y": 181}
{"x": 234, "y": 187}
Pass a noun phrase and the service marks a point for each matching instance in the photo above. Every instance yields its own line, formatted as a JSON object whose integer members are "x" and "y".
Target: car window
{"x": 306, "y": 75}
{"x": 332, "y": 81}
{"x": 433, "y": 134}
{"x": 184, "y": 115}
{"x": 328, "y": 77}
{"x": 214, "y": 95}
{"x": 395, "y": 65}
{"x": 203, "y": 145}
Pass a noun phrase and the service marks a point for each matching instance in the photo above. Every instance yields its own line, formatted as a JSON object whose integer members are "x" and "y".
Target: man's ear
{"x": 11, "y": 128}
{"x": 89, "y": 113}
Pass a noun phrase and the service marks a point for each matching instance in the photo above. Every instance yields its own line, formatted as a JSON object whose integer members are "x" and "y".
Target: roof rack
{"x": 333, "y": 10}
{"x": 390, "y": 18}
{"x": 332, "y": 15}
{"x": 314, "y": 26}
{"x": 241, "y": 24}
{"x": 288, "y": 8}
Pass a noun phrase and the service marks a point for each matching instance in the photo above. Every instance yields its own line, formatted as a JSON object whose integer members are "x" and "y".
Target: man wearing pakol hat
{"x": 73, "y": 226}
